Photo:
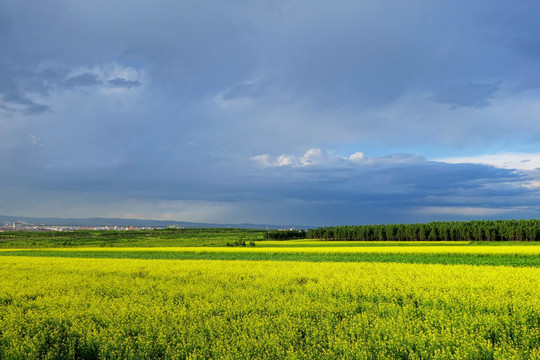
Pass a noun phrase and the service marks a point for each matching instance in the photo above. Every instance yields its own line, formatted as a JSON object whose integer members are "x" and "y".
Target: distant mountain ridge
{"x": 6, "y": 219}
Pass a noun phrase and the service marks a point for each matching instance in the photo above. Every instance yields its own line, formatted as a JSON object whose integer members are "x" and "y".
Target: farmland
{"x": 299, "y": 299}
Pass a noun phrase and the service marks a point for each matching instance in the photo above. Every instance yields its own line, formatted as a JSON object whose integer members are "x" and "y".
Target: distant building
{"x": 18, "y": 225}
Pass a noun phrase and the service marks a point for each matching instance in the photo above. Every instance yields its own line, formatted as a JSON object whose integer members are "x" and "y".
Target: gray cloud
{"x": 222, "y": 82}
{"x": 123, "y": 83}
{"x": 82, "y": 80}
{"x": 474, "y": 95}
{"x": 14, "y": 86}
{"x": 394, "y": 188}
{"x": 16, "y": 102}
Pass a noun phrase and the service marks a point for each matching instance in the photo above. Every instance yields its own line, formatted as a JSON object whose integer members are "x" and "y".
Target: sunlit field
{"x": 328, "y": 248}
{"x": 278, "y": 299}
{"x": 508, "y": 254}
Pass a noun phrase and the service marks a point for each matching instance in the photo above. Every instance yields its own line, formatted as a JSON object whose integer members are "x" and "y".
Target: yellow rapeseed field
{"x": 61, "y": 308}
{"x": 450, "y": 249}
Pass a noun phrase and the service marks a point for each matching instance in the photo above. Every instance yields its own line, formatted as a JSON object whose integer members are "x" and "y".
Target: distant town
{"x": 23, "y": 223}
{"x": 22, "y": 226}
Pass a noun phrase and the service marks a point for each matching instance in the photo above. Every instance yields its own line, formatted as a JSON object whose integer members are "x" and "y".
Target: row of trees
{"x": 285, "y": 234}
{"x": 481, "y": 230}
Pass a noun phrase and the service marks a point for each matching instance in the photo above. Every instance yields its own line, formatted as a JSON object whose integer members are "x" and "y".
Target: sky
{"x": 271, "y": 112}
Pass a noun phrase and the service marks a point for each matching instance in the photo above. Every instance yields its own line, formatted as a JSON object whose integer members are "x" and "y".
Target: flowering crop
{"x": 398, "y": 249}
{"x": 509, "y": 255}
{"x": 66, "y": 308}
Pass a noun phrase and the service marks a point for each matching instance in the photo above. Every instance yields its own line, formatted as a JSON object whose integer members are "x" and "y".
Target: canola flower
{"x": 444, "y": 249}
{"x": 61, "y": 308}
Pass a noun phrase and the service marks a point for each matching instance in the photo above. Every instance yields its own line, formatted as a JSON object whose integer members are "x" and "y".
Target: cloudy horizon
{"x": 270, "y": 112}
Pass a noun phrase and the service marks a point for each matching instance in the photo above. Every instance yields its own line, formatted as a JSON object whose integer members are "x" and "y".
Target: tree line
{"x": 476, "y": 230}
{"x": 285, "y": 234}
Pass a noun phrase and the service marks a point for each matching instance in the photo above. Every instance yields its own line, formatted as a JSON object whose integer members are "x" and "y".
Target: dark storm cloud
{"x": 385, "y": 176}
{"x": 341, "y": 192}
{"x": 354, "y": 53}
{"x": 363, "y": 52}
{"x": 171, "y": 100}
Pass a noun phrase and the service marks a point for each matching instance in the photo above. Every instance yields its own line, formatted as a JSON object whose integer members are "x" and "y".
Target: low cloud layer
{"x": 311, "y": 189}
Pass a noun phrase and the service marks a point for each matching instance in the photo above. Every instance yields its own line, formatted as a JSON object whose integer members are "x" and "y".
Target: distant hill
{"x": 5, "y": 219}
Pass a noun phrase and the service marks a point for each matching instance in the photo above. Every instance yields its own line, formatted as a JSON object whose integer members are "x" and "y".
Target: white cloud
{"x": 357, "y": 157}
{"x": 312, "y": 157}
{"x": 516, "y": 161}
{"x": 533, "y": 184}
{"x": 320, "y": 157}
{"x": 464, "y": 211}
{"x": 263, "y": 160}
{"x": 285, "y": 159}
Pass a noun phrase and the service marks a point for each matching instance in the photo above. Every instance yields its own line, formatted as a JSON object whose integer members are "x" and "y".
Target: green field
{"x": 140, "y": 238}
{"x": 167, "y": 298}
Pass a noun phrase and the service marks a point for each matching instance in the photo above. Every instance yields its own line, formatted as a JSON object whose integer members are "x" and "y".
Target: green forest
{"x": 476, "y": 230}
